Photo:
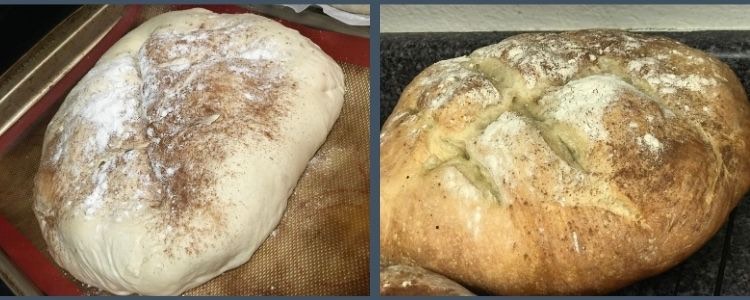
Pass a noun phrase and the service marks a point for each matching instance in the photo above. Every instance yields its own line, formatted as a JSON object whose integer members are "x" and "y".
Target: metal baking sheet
{"x": 321, "y": 246}
{"x": 722, "y": 266}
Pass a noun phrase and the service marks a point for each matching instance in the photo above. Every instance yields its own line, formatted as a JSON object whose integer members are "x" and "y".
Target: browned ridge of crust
{"x": 571, "y": 163}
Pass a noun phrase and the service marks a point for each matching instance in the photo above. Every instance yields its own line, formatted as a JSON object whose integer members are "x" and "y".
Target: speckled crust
{"x": 572, "y": 163}
{"x": 404, "y": 280}
{"x": 172, "y": 160}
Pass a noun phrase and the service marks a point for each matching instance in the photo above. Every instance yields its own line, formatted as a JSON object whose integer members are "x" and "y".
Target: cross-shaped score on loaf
{"x": 586, "y": 144}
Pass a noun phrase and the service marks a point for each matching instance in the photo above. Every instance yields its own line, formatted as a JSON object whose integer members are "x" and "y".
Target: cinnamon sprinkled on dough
{"x": 197, "y": 92}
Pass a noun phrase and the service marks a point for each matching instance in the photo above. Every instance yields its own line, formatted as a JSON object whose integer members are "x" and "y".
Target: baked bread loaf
{"x": 171, "y": 161}
{"x": 563, "y": 163}
{"x": 405, "y": 280}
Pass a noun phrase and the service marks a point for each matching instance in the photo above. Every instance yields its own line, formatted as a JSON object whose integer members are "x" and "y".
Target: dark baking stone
{"x": 737, "y": 271}
{"x": 404, "y": 55}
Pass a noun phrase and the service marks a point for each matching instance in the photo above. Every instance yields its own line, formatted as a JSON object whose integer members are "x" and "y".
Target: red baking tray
{"x": 27, "y": 258}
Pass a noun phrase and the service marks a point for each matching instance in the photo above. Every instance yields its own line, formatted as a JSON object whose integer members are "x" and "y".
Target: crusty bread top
{"x": 571, "y": 162}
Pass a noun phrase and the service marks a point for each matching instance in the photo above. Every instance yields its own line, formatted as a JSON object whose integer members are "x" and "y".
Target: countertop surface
{"x": 722, "y": 266}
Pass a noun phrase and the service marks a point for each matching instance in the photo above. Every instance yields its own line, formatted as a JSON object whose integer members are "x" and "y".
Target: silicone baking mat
{"x": 321, "y": 244}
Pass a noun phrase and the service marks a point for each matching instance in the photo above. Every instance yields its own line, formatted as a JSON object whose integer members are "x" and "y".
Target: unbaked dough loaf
{"x": 570, "y": 163}
{"x": 172, "y": 160}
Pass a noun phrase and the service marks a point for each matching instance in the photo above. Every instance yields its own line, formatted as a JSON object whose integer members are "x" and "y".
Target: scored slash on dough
{"x": 562, "y": 141}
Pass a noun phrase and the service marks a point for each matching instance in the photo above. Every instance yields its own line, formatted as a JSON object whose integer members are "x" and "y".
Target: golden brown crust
{"x": 572, "y": 163}
{"x": 404, "y": 280}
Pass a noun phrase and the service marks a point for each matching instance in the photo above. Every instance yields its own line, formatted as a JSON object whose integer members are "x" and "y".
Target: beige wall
{"x": 425, "y": 18}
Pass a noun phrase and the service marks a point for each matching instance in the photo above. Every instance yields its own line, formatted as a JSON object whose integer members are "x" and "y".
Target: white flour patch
{"x": 658, "y": 75}
{"x": 177, "y": 65}
{"x": 99, "y": 179}
{"x": 456, "y": 183}
{"x": 576, "y": 246}
{"x": 539, "y": 57}
{"x": 638, "y": 64}
{"x": 650, "y": 143}
{"x": 670, "y": 82}
{"x": 667, "y": 90}
{"x": 448, "y": 77}
{"x": 492, "y": 148}
{"x": 111, "y": 100}
{"x": 474, "y": 222}
{"x": 171, "y": 170}
{"x": 59, "y": 149}
{"x": 582, "y": 103}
